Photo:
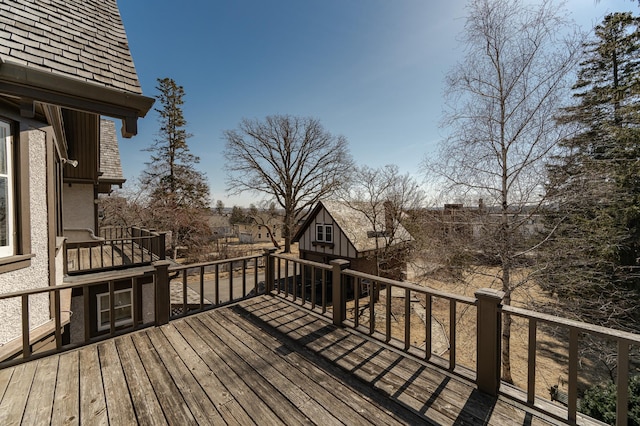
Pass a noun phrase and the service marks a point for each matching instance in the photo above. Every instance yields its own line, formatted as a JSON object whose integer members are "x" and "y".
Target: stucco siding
{"x": 37, "y": 274}
{"x": 79, "y": 211}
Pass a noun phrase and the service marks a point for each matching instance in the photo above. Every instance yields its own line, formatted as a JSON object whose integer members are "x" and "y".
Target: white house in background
{"x": 63, "y": 65}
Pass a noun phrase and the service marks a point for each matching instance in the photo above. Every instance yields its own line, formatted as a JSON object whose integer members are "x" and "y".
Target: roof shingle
{"x": 109, "y": 153}
{"x": 82, "y": 39}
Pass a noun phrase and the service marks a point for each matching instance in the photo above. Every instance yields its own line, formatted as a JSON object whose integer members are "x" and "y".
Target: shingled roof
{"x": 69, "y": 54}
{"x": 109, "y": 154}
{"x": 76, "y": 38}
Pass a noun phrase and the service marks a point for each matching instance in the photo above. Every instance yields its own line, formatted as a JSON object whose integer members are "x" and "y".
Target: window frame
{"x": 100, "y": 310}
{"x": 21, "y": 257}
{"x": 9, "y": 249}
{"x": 324, "y": 233}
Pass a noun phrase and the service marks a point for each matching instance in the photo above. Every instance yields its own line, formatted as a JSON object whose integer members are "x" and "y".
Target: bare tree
{"x": 294, "y": 160}
{"x": 501, "y": 103}
{"x": 383, "y": 196}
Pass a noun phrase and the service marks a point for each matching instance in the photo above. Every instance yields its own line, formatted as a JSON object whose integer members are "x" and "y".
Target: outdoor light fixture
{"x": 72, "y": 163}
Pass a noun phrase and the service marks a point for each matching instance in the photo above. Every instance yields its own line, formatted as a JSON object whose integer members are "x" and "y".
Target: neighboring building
{"x": 260, "y": 229}
{"x": 220, "y": 226}
{"x": 63, "y": 65}
{"x": 334, "y": 230}
{"x": 474, "y": 222}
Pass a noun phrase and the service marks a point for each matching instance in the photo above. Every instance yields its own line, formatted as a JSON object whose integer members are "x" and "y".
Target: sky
{"x": 370, "y": 70}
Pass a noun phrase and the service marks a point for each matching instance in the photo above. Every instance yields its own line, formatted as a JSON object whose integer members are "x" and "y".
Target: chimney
{"x": 481, "y": 205}
{"x": 388, "y": 216}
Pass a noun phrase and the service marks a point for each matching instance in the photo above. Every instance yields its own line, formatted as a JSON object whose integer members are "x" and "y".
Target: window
{"x": 15, "y": 238}
{"x": 6, "y": 191}
{"x": 324, "y": 233}
{"x": 122, "y": 309}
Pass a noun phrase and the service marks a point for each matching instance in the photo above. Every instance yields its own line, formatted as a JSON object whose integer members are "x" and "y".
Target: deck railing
{"x": 383, "y": 309}
{"x": 368, "y": 304}
{"x": 117, "y": 247}
{"x": 176, "y": 291}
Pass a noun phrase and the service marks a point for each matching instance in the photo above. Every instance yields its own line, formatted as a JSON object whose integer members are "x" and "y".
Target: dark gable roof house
{"x": 64, "y": 64}
{"x": 335, "y": 230}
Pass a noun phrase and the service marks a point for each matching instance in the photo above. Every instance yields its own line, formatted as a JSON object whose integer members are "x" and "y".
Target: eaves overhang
{"x": 31, "y": 85}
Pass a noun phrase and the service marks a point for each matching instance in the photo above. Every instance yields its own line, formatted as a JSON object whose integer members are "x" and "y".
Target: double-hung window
{"x": 122, "y": 309}
{"x": 324, "y": 233}
{"x": 7, "y": 247}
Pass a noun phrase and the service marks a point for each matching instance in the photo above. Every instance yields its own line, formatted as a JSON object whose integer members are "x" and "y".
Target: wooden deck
{"x": 105, "y": 257}
{"x": 263, "y": 361}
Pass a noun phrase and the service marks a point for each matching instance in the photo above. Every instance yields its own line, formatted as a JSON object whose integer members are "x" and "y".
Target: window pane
{"x": 104, "y": 318}
{"x": 328, "y": 230}
{"x": 123, "y": 298}
{"x": 103, "y": 302}
{"x": 3, "y": 150}
{"x": 123, "y": 313}
{"x": 4, "y": 211}
{"x": 319, "y": 236}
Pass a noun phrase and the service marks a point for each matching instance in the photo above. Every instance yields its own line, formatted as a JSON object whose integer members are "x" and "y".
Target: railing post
{"x": 65, "y": 258}
{"x": 162, "y": 248}
{"x": 269, "y": 269}
{"x": 163, "y": 296}
{"x": 338, "y": 291}
{"x": 489, "y": 340}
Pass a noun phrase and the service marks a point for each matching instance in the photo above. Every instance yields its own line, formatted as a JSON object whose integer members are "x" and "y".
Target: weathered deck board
{"x": 345, "y": 401}
{"x": 119, "y": 405}
{"x": 236, "y": 386}
{"x": 17, "y": 394}
{"x": 66, "y": 402}
{"x": 263, "y": 361}
{"x": 169, "y": 398}
{"x": 147, "y": 406}
{"x": 451, "y": 399}
{"x": 40, "y": 403}
{"x": 92, "y": 399}
{"x": 196, "y": 399}
{"x": 231, "y": 412}
{"x": 290, "y": 408}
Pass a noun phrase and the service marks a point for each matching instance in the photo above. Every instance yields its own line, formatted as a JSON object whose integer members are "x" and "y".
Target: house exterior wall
{"x": 79, "y": 211}
{"x": 254, "y": 233}
{"x": 76, "y": 328}
{"x": 36, "y": 275}
{"x": 341, "y": 247}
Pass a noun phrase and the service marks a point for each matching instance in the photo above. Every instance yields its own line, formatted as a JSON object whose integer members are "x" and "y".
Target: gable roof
{"x": 110, "y": 165}
{"x": 356, "y": 225}
{"x": 69, "y": 53}
{"x": 76, "y": 38}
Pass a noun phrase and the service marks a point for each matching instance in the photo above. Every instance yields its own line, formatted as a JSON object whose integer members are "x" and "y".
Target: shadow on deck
{"x": 261, "y": 361}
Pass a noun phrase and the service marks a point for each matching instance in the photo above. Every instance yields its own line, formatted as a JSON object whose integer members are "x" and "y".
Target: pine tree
{"x": 178, "y": 194}
{"x": 592, "y": 261}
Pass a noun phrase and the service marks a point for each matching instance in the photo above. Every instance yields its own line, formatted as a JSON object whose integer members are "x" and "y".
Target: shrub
{"x": 599, "y": 402}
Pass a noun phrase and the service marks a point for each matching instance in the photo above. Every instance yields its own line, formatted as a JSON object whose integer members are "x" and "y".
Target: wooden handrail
{"x": 298, "y": 280}
{"x": 291, "y": 279}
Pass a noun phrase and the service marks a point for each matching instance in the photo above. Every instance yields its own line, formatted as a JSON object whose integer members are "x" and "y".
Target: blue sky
{"x": 371, "y": 70}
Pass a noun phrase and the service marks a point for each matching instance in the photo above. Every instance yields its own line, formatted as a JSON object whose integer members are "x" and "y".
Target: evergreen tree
{"x": 178, "y": 194}
{"x": 592, "y": 260}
